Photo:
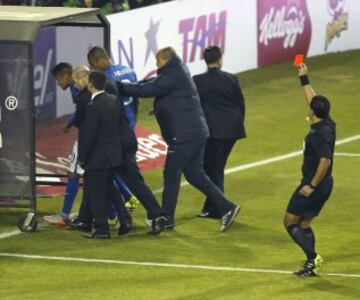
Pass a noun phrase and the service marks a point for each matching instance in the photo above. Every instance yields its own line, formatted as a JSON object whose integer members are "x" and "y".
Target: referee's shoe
{"x": 311, "y": 267}
{"x": 229, "y": 218}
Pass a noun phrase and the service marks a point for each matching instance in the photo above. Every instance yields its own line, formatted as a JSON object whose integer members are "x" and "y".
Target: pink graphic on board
{"x": 284, "y": 30}
{"x": 53, "y": 148}
{"x": 339, "y": 22}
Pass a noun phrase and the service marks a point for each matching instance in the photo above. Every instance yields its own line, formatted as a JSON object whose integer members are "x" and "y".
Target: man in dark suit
{"x": 107, "y": 146}
{"x": 223, "y": 104}
{"x": 83, "y": 97}
{"x": 100, "y": 150}
{"x": 182, "y": 122}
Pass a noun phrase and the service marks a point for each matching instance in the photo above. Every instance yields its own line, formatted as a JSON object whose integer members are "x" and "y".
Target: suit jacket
{"x": 177, "y": 105}
{"x": 81, "y": 101}
{"x": 223, "y": 103}
{"x": 104, "y": 135}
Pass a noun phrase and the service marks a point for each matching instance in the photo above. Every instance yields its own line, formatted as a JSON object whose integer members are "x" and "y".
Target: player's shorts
{"x": 74, "y": 167}
{"x": 309, "y": 207}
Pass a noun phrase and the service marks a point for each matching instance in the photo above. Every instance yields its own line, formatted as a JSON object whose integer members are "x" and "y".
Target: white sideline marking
{"x": 236, "y": 169}
{"x": 270, "y": 160}
{"x": 164, "y": 265}
{"x": 5, "y": 235}
{"x": 347, "y": 154}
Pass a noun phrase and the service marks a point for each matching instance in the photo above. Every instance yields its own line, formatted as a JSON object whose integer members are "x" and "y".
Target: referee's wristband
{"x": 312, "y": 186}
{"x": 304, "y": 79}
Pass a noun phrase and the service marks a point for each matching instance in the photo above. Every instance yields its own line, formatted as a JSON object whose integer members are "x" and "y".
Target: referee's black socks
{"x": 310, "y": 236}
{"x": 301, "y": 238}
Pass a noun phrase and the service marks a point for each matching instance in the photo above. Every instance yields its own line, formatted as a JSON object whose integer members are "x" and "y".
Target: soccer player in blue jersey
{"x": 63, "y": 75}
{"x": 99, "y": 60}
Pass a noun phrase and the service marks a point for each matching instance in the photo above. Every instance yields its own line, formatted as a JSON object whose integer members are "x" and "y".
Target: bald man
{"x": 183, "y": 126}
{"x": 76, "y": 80}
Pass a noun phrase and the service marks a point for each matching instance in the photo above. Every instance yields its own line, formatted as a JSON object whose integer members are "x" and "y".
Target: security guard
{"x": 224, "y": 107}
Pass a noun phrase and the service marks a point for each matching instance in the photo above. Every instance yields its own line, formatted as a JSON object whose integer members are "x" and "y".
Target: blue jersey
{"x": 120, "y": 73}
{"x": 74, "y": 93}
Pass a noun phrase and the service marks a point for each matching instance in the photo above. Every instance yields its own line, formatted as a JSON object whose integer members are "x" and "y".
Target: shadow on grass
{"x": 328, "y": 287}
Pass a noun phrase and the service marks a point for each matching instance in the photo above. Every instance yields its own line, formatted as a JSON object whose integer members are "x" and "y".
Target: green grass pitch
{"x": 275, "y": 121}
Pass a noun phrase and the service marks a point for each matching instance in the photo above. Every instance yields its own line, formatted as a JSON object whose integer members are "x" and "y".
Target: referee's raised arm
{"x": 305, "y": 83}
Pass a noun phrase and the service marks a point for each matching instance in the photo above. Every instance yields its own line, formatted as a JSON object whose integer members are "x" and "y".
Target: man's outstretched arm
{"x": 307, "y": 88}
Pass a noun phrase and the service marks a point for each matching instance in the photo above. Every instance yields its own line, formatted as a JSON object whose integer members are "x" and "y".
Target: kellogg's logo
{"x": 284, "y": 24}
{"x": 339, "y": 21}
{"x": 284, "y": 29}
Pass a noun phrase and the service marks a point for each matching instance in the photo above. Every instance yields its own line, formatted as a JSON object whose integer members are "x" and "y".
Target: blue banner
{"x": 44, "y": 82}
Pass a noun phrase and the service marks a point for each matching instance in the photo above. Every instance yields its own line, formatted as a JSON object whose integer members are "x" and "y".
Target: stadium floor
{"x": 254, "y": 259}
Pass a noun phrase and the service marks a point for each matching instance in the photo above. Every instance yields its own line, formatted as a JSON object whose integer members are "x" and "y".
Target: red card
{"x": 299, "y": 58}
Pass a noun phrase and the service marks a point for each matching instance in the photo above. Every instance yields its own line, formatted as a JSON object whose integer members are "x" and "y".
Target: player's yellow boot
{"x": 132, "y": 203}
{"x": 318, "y": 261}
{"x": 113, "y": 223}
{"x": 311, "y": 267}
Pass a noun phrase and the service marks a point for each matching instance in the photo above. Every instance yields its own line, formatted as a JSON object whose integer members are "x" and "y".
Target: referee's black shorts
{"x": 309, "y": 207}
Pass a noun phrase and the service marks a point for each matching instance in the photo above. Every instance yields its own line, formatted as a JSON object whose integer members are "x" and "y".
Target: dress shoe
{"x": 209, "y": 214}
{"x": 157, "y": 225}
{"x": 169, "y": 224}
{"x": 79, "y": 226}
{"x": 98, "y": 235}
{"x": 124, "y": 229}
{"x": 229, "y": 218}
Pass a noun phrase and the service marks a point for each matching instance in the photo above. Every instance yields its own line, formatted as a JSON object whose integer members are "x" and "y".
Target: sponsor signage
{"x": 44, "y": 83}
{"x": 283, "y": 30}
{"x": 339, "y": 20}
{"x": 187, "y": 26}
{"x": 54, "y": 148}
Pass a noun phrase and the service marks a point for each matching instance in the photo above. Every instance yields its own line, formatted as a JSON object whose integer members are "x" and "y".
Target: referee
{"x": 317, "y": 182}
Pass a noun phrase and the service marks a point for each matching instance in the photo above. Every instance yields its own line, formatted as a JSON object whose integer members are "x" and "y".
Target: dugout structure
{"x": 19, "y": 27}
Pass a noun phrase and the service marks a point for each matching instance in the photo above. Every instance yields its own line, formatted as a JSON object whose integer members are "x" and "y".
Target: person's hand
{"x": 303, "y": 69}
{"x": 306, "y": 191}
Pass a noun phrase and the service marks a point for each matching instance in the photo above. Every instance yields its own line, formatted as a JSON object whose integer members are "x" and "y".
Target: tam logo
{"x": 201, "y": 32}
{"x": 284, "y": 29}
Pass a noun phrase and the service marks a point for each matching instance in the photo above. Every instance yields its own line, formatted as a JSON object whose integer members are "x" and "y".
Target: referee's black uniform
{"x": 317, "y": 182}
{"x": 319, "y": 143}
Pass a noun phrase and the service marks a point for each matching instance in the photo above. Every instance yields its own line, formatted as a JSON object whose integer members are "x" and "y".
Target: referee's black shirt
{"x": 319, "y": 143}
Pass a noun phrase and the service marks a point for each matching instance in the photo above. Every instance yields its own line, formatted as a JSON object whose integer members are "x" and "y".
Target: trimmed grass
{"x": 276, "y": 125}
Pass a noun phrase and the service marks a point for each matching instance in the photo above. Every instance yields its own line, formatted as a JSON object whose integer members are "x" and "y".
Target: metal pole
{"x": 107, "y": 37}
{"x": 32, "y": 133}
